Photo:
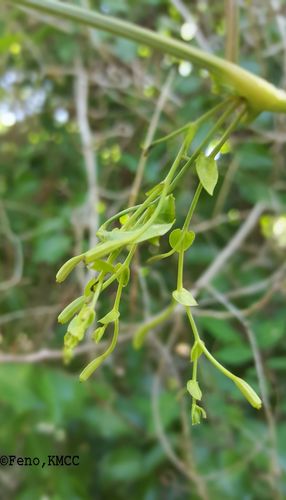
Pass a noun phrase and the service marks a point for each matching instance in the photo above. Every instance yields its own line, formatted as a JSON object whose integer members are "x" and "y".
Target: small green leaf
{"x": 194, "y": 389}
{"x": 102, "y": 265}
{"x": 110, "y": 317}
{"x": 71, "y": 310}
{"x": 197, "y": 350}
{"x": 123, "y": 237}
{"x": 123, "y": 219}
{"x": 124, "y": 276}
{"x": 67, "y": 268}
{"x": 154, "y": 231}
{"x": 98, "y": 333}
{"x": 184, "y": 297}
{"x": 168, "y": 211}
{"x": 181, "y": 240}
{"x": 207, "y": 172}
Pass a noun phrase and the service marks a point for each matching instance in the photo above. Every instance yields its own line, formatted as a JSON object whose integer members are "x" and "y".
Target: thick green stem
{"x": 259, "y": 93}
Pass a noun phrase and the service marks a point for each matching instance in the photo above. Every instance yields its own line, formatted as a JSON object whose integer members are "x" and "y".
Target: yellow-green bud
{"x": 248, "y": 393}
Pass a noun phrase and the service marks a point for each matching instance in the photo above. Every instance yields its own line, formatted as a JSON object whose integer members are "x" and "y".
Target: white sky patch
{"x": 188, "y": 30}
{"x": 210, "y": 149}
{"x": 7, "y": 118}
{"x": 185, "y": 68}
{"x": 279, "y": 227}
{"x": 61, "y": 116}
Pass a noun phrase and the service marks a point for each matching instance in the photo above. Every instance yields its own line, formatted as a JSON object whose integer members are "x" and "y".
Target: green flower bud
{"x": 71, "y": 310}
{"x": 197, "y": 413}
{"x": 70, "y": 341}
{"x": 248, "y": 393}
{"x": 67, "y": 268}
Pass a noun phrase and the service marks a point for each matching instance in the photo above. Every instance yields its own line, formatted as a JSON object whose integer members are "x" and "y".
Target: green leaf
{"x": 184, "y": 297}
{"x": 52, "y": 248}
{"x": 223, "y": 331}
{"x": 197, "y": 350}
{"x": 155, "y": 230}
{"x": 168, "y": 211}
{"x": 194, "y": 389}
{"x": 102, "y": 265}
{"x": 270, "y": 331}
{"x": 110, "y": 317}
{"x": 98, "y": 333}
{"x": 181, "y": 240}
{"x": 207, "y": 172}
{"x": 277, "y": 363}
{"x": 124, "y": 276}
{"x": 115, "y": 239}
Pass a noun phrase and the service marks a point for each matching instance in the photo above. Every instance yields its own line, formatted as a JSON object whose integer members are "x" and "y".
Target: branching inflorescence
{"x": 153, "y": 218}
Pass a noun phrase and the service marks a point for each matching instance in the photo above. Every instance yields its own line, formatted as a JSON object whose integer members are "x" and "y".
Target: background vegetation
{"x": 75, "y": 108}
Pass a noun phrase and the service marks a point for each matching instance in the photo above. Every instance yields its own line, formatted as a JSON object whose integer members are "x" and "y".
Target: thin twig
{"x": 87, "y": 140}
{"x": 274, "y": 461}
{"x": 18, "y": 252}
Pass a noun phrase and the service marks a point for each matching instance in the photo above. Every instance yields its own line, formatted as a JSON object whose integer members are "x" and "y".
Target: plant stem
{"x": 233, "y": 104}
{"x": 192, "y": 207}
{"x": 260, "y": 94}
{"x": 195, "y": 371}
{"x": 208, "y": 355}
{"x": 229, "y": 130}
{"x": 180, "y": 270}
{"x": 93, "y": 365}
{"x": 116, "y": 275}
{"x": 232, "y": 30}
{"x": 155, "y": 321}
{"x": 202, "y": 119}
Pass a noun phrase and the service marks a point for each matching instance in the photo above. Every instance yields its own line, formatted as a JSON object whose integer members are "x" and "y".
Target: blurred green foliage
{"x": 109, "y": 421}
